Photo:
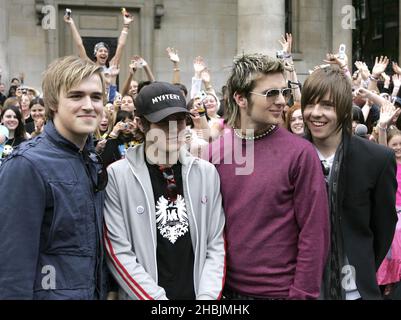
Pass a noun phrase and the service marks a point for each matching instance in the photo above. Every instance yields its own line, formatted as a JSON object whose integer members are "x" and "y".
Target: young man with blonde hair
{"x": 276, "y": 215}
{"x": 51, "y": 236}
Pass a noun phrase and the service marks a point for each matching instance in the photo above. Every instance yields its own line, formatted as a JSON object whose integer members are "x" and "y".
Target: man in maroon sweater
{"x": 277, "y": 226}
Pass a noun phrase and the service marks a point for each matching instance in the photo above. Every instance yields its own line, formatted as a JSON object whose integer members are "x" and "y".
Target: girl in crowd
{"x": 389, "y": 272}
{"x": 122, "y": 137}
{"x": 13, "y": 101}
{"x": 198, "y": 130}
{"x": 127, "y": 103}
{"x": 11, "y": 118}
{"x": 25, "y": 109}
{"x": 216, "y": 123}
{"x": 294, "y": 120}
{"x": 101, "y": 50}
{"x": 37, "y": 111}
{"x": 12, "y": 91}
{"x": 104, "y": 129}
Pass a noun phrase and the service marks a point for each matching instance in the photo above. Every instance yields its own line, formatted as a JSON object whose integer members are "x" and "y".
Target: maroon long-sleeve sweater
{"x": 277, "y": 220}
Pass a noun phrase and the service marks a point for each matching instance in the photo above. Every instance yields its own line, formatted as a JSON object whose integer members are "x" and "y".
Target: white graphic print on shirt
{"x": 171, "y": 218}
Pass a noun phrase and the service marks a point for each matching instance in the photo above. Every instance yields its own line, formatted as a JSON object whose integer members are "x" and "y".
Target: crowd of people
{"x": 142, "y": 191}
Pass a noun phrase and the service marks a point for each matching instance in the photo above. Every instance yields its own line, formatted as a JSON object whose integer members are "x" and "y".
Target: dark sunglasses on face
{"x": 274, "y": 93}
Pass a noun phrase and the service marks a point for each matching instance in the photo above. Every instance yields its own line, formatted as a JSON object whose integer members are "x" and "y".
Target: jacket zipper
{"x": 196, "y": 227}
{"x": 150, "y": 220}
{"x": 98, "y": 275}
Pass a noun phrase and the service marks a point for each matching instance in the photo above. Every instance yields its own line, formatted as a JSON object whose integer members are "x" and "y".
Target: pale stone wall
{"x": 3, "y": 41}
{"x": 23, "y": 49}
{"x": 260, "y": 25}
{"x": 314, "y": 34}
{"x": 214, "y": 29}
{"x": 206, "y": 28}
{"x": 319, "y": 31}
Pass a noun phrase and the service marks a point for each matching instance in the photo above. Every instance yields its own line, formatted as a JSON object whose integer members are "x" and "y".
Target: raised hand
{"x": 380, "y": 66}
{"x": 199, "y": 65}
{"x": 396, "y": 68}
{"x": 101, "y": 145}
{"x": 128, "y": 18}
{"x": 205, "y": 75}
{"x": 361, "y": 66}
{"x": 39, "y": 125}
{"x": 397, "y": 80}
{"x": 139, "y": 62}
{"x": 335, "y": 59}
{"x": 387, "y": 114}
{"x": 68, "y": 19}
{"x": 173, "y": 55}
{"x": 286, "y": 43}
{"x": 386, "y": 77}
{"x": 362, "y": 93}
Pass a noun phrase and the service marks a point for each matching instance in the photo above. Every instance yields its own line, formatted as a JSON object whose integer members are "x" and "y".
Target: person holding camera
{"x": 101, "y": 50}
{"x": 122, "y": 137}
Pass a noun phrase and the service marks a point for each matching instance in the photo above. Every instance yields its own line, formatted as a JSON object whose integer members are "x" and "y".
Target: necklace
{"x": 267, "y": 132}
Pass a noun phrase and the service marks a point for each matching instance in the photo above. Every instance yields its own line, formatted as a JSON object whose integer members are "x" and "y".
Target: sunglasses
{"x": 102, "y": 176}
{"x": 172, "y": 190}
{"x": 274, "y": 93}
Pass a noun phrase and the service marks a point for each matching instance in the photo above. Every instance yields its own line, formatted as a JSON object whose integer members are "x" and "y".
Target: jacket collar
{"x": 53, "y": 135}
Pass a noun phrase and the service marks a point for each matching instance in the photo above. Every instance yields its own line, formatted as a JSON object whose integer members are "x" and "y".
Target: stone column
{"x": 260, "y": 25}
{"x": 3, "y": 43}
{"x": 342, "y": 30}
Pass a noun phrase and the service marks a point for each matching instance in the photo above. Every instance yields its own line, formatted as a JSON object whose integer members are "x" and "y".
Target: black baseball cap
{"x": 159, "y": 100}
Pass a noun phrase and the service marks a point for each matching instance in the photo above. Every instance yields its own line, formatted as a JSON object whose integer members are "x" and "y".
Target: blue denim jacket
{"x": 51, "y": 221}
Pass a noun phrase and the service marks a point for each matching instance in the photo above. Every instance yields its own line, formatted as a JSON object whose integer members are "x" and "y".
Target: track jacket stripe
{"x": 132, "y": 284}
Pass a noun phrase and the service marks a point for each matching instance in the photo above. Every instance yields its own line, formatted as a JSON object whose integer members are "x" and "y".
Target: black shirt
{"x": 175, "y": 255}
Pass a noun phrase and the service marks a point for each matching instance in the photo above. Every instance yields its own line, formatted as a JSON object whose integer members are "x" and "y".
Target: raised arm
{"x": 199, "y": 66}
{"x": 397, "y": 84}
{"x": 388, "y": 113}
{"x": 141, "y": 63}
{"x": 380, "y": 67}
{"x": 207, "y": 82}
{"x": 286, "y": 44}
{"x": 127, "y": 83}
{"x": 341, "y": 62}
{"x": 122, "y": 40}
{"x": 175, "y": 59}
{"x": 77, "y": 37}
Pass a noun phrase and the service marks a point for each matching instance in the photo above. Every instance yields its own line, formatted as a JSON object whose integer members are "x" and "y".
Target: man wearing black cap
{"x": 163, "y": 214}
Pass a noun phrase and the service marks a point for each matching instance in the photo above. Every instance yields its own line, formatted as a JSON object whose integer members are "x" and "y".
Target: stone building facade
{"x": 214, "y": 29}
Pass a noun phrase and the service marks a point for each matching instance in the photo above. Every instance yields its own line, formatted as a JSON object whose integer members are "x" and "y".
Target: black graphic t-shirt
{"x": 175, "y": 255}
